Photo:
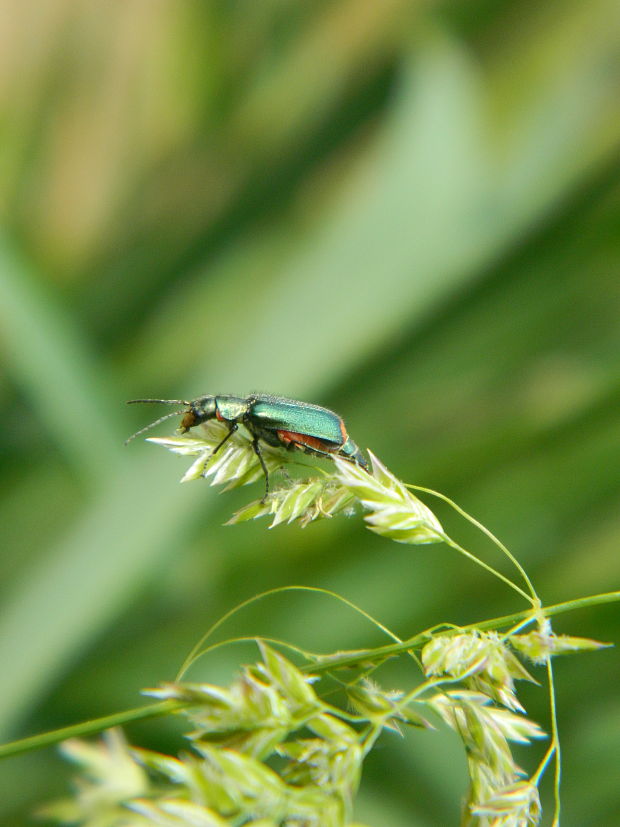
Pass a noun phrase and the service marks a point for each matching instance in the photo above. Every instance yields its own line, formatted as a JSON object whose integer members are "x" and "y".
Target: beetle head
{"x": 200, "y": 410}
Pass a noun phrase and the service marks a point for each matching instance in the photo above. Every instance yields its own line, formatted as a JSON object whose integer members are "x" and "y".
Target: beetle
{"x": 274, "y": 420}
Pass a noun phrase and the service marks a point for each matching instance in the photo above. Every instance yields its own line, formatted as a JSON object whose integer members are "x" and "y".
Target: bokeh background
{"x": 407, "y": 211}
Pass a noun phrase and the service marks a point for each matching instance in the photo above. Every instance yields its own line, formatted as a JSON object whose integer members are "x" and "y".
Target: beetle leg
{"x": 286, "y": 475}
{"x": 233, "y": 428}
{"x": 263, "y": 466}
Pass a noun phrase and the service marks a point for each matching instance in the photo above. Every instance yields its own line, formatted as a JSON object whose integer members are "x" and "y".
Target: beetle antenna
{"x": 157, "y": 421}
{"x": 165, "y": 401}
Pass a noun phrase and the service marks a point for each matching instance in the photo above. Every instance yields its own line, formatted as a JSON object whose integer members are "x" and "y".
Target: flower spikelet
{"x": 481, "y": 660}
{"x": 234, "y": 464}
{"x": 486, "y": 731}
{"x": 257, "y": 712}
{"x": 394, "y": 511}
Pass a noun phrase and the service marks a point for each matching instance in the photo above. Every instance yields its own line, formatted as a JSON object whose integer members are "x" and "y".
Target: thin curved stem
{"x": 197, "y": 652}
{"x": 484, "y": 530}
{"x": 453, "y": 544}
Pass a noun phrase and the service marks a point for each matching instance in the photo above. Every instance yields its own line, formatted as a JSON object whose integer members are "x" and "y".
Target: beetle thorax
{"x": 231, "y": 408}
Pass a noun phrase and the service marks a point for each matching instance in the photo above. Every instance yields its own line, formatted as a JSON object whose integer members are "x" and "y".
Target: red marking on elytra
{"x": 218, "y": 415}
{"x": 293, "y": 438}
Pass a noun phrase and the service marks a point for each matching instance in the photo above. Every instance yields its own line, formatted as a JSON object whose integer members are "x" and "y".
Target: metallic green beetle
{"x": 276, "y": 420}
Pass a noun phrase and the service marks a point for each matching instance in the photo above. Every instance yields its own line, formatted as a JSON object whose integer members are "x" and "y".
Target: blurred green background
{"x": 406, "y": 211}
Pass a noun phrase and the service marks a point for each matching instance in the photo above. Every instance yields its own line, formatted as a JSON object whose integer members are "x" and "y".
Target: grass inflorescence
{"x": 274, "y": 749}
